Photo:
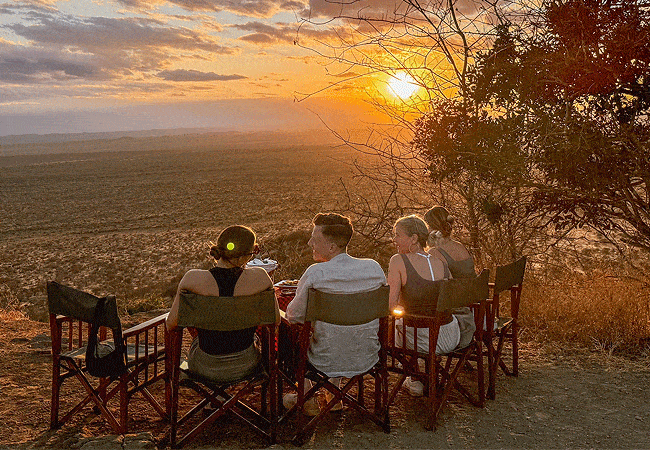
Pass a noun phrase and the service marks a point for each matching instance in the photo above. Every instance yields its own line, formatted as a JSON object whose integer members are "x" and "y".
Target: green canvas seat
{"x": 440, "y": 373}
{"x": 347, "y": 310}
{"x": 226, "y": 314}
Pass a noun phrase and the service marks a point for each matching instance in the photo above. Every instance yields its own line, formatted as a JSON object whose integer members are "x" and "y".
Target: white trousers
{"x": 448, "y": 337}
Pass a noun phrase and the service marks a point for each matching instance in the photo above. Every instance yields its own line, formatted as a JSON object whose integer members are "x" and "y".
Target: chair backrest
{"x": 67, "y": 301}
{"x": 347, "y": 309}
{"x": 510, "y": 275}
{"x": 461, "y": 292}
{"x": 227, "y": 313}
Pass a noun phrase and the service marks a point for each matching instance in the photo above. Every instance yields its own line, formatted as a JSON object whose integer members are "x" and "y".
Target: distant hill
{"x": 190, "y": 138}
{"x": 59, "y": 137}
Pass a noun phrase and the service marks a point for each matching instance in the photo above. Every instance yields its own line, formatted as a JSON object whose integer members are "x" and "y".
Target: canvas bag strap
{"x": 117, "y": 332}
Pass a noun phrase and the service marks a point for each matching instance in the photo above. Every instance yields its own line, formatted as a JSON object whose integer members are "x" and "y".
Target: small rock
{"x": 111, "y": 442}
{"x": 141, "y": 441}
{"x": 41, "y": 341}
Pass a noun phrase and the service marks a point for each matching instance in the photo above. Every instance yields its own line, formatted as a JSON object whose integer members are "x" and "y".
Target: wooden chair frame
{"x": 440, "y": 379}
{"x": 145, "y": 358}
{"x": 226, "y": 314}
{"x": 501, "y": 328}
{"x": 335, "y": 309}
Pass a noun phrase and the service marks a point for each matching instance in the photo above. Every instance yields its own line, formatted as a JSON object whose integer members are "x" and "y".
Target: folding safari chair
{"x": 500, "y": 327}
{"x": 226, "y": 314}
{"x": 71, "y": 318}
{"x": 348, "y": 310}
{"x": 438, "y": 379}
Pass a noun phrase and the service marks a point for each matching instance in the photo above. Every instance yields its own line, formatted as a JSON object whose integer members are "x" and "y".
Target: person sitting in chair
{"x": 412, "y": 277}
{"x": 225, "y": 355}
{"x": 457, "y": 257}
{"x": 336, "y": 350}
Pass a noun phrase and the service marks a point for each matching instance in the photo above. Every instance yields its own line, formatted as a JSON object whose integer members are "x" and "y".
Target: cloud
{"x": 248, "y": 8}
{"x": 101, "y": 34}
{"x": 64, "y": 47}
{"x": 195, "y": 75}
{"x": 21, "y": 70}
{"x": 282, "y": 33}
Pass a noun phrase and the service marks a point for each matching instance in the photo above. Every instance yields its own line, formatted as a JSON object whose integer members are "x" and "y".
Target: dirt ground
{"x": 562, "y": 399}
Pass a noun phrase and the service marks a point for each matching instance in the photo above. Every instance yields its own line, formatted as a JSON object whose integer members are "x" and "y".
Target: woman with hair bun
{"x": 225, "y": 355}
{"x": 457, "y": 257}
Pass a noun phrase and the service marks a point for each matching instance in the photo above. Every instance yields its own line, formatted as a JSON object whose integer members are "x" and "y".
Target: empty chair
{"x": 502, "y": 327}
{"x": 73, "y": 318}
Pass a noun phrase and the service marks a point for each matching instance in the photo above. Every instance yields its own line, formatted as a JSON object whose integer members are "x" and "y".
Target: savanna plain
{"x": 128, "y": 216}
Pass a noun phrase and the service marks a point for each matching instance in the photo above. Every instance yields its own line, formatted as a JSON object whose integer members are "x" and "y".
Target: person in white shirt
{"x": 337, "y": 350}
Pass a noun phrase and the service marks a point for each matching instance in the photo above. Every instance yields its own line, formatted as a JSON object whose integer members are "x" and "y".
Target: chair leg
{"x": 124, "y": 404}
{"x": 480, "y": 373}
{"x": 515, "y": 349}
{"x": 56, "y": 389}
{"x": 360, "y": 392}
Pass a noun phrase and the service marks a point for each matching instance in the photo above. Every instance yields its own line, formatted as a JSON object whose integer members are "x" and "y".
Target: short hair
{"x": 336, "y": 227}
{"x": 233, "y": 242}
{"x": 414, "y": 224}
{"x": 439, "y": 219}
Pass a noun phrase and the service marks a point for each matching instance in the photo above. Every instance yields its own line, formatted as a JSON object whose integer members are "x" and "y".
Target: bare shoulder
{"x": 396, "y": 261}
{"x": 252, "y": 281}
{"x": 200, "y": 282}
{"x": 460, "y": 251}
{"x": 192, "y": 277}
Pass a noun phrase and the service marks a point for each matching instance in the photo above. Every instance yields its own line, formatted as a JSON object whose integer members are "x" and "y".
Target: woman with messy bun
{"x": 458, "y": 258}
{"x": 225, "y": 355}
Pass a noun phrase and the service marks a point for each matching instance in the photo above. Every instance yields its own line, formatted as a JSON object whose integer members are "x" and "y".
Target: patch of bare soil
{"x": 562, "y": 398}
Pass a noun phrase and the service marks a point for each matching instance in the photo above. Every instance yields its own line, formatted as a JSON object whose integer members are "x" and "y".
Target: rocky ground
{"x": 563, "y": 398}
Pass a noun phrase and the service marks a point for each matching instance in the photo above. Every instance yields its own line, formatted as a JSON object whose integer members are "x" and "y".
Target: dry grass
{"x": 131, "y": 223}
{"x": 599, "y": 310}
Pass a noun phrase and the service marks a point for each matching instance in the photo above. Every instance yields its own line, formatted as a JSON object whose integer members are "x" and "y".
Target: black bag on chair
{"x": 103, "y": 359}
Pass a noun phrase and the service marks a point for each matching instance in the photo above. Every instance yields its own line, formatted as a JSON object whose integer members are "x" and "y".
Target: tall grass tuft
{"x": 596, "y": 309}
{"x": 9, "y": 304}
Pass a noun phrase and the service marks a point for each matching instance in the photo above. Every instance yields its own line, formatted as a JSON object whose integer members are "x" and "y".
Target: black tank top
{"x": 225, "y": 342}
{"x": 420, "y": 295}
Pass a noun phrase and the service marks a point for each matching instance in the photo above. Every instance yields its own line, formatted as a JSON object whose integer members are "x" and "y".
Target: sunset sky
{"x": 113, "y": 65}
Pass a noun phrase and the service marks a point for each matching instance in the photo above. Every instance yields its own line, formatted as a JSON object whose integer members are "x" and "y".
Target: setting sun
{"x": 402, "y": 85}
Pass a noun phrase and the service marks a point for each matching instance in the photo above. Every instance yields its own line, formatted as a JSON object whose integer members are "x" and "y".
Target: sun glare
{"x": 402, "y": 85}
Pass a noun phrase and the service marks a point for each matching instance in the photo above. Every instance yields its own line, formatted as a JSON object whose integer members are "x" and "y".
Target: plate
{"x": 286, "y": 287}
{"x": 267, "y": 264}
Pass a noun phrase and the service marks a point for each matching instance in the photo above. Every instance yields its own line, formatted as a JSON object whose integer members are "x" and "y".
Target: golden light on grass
{"x": 402, "y": 85}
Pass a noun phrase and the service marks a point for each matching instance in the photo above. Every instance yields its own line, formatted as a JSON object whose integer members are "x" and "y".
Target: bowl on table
{"x": 267, "y": 264}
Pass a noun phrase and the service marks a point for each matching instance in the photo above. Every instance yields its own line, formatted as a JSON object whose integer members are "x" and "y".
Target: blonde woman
{"x": 412, "y": 274}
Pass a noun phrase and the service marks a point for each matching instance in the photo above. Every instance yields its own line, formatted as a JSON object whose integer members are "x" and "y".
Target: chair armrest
{"x": 409, "y": 315}
{"x": 144, "y": 326}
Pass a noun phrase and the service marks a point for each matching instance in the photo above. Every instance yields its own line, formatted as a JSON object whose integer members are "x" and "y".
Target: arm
{"x": 297, "y": 308}
{"x": 172, "y": 318}
{"x": 395, "y": 280}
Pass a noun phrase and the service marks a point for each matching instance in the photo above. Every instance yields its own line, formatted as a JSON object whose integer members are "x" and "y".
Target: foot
{"x": 416, "y": 389}
{"x": 337, "y": 407}
{"x": 310, "y": 407}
